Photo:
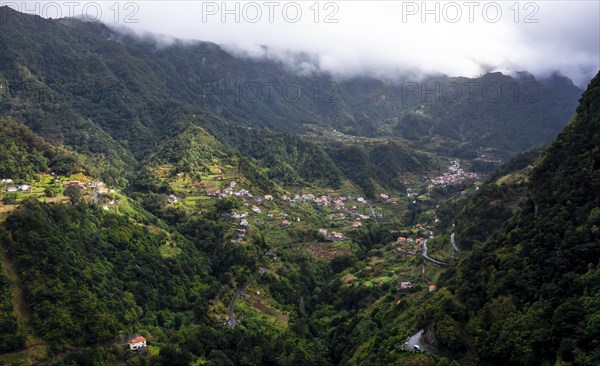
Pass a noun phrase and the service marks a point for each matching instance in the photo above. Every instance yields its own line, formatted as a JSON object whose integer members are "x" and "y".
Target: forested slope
{"x": 530, "y": 293}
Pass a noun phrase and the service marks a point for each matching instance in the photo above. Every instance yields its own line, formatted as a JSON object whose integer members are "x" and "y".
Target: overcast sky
{"x": 463, "y": 38}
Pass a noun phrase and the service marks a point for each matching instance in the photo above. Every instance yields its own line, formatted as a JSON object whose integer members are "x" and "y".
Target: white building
{"x": 137, "y": 342}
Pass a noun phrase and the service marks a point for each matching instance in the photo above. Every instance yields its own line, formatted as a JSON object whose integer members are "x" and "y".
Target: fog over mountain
{"x": 382, "y": 39}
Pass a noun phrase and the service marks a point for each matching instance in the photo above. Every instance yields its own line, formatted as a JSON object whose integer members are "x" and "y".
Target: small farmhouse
{"x": 337, "y": 235}
{"x": 136, "y": 343}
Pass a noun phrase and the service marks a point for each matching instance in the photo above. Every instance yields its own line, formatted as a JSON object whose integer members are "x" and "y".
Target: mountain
{"x": 525, "y": 291}
{"x": 127, "y": 91}
{"x": 23, "y": 153}
{"x": 152, "y": 195}
{"x": 529, "y": 294}
{"x": 476, "y": 218}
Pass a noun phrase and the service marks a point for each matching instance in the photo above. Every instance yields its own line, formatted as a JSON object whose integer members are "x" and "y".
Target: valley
{"x": 376, "y": 222}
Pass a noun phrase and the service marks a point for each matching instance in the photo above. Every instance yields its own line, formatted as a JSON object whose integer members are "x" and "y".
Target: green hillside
{"x": 530, "y": 291}
{"x": 143, "y": 194}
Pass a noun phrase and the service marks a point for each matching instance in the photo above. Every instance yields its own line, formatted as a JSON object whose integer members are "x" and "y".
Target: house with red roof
{"x": 136, "y": 343}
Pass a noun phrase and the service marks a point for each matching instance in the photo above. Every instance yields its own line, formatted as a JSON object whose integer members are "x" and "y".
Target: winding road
{"x": 232, "y": 319}
{"x": 414, "y": 340}
{"x": 434, "y": 261}
{"x": 454, "y": 243}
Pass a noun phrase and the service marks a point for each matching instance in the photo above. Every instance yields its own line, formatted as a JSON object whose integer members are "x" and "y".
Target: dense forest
{"x": 530, "y": 290}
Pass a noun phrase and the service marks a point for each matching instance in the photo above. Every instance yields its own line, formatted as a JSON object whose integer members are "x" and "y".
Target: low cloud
{"x": 383, "y": 38}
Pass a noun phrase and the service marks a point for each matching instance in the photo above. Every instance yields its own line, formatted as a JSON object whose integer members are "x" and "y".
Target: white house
{"x": 337, "y": 235}
{"x": 405, "y": 285}
{"x": 95, "y": 184}
{"x": 137, "y": 342}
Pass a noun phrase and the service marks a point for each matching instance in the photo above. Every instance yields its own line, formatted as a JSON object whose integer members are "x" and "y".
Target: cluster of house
{"x": 387, "y": 199}
{"x": 408, "y": 251}
{"x": 9, "y": 186}
{"x": 333, "y": 235}
{"x": 338, "y": 203}
{"x": 335, "y": 202}
{"x": 406, "y": 285}
{"x": 454, "y": 175}
{"x": 405, "y": 239}
{"x": 98, "y": 187}
{"x": 410, "y": 246}
{"x": 240, "y": 231}
{"x": 228, "y": 191}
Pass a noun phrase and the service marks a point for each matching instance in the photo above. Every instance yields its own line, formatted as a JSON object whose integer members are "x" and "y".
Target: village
{"x": 51, "y": 188}
{"x": 346, "y": 211}
{"x": 455, "y": 175}
{"x": 276, "y": 214}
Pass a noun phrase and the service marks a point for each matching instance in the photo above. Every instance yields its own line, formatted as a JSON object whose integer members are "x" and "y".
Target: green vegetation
{"x": 229, "y": 232}
{"x": 10, "y": 334}
{"x": 23, "y": 153}
{"x": 529, "y": 290}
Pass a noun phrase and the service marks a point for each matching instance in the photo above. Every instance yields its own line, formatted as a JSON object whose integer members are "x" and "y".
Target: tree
{"x": 9, "y": 198}
{"x": 51, "y": 191}
{"x": 74, "y": 194}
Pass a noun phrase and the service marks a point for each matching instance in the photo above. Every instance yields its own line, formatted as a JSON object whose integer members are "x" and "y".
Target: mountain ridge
{"x": 141, "y": 80}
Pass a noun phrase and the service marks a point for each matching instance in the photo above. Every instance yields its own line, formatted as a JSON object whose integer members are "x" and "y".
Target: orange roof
{"x": 137, "y": 339}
